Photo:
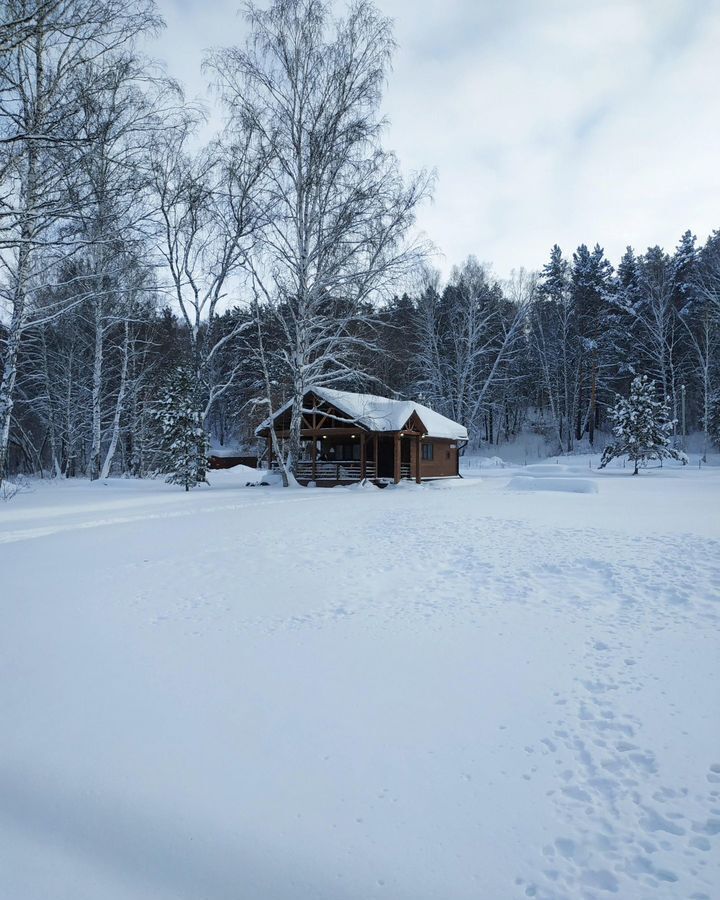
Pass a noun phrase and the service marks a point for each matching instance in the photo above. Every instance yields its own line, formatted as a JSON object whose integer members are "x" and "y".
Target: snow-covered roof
{"x": 382, "y": 414}
{"x": 228, "y": 452}
{"x": 230, "y": 448}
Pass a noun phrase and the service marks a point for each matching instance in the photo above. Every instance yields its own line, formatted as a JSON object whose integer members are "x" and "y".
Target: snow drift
{"x": 561, "y": 485}
{"x": 547, "y": 469}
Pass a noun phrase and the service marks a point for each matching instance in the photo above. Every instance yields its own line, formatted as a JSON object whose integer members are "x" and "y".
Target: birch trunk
{"x": 6, "y": 393}
{"x": 96, "y": 426}
{"x": 52, "y": 419}
{"x": 119, "y": 405}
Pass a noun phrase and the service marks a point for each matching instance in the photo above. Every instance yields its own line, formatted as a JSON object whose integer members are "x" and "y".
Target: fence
{"x": 334, "y": 471}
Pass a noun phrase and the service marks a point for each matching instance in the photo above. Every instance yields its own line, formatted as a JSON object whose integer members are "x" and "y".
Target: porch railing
{"x": 349, "y": 470}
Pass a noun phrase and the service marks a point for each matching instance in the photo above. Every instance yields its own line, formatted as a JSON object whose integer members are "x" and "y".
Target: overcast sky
{"x": 547, "y": 120}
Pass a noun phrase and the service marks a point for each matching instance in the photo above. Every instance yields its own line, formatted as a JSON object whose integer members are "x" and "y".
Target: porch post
{"x": 269, "y": 451}
{"x": 377, "y": 467}
{"x": 363, "y": 456}
{"x": 397, "y": 457}
{"x": 417, "y": 460}
{"x": 313, "y": 456}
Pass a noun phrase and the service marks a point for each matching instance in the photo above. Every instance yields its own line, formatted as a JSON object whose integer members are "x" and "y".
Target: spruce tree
{"x": 555, "y": 276}
{"x": 627, "y": 280}
{"x": 184, "y": 441}
{"x": 642, "y": 427}
{"x": 684, "y": 268}
{"x": 591, "y": 287}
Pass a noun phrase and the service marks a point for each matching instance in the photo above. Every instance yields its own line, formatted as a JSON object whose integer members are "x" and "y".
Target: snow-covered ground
{"x": 459, "y": 690}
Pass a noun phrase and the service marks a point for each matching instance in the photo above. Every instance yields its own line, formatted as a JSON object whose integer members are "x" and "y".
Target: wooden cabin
{"x": 349, "y": 437}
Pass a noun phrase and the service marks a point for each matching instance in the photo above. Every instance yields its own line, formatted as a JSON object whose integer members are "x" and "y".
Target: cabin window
{"x": 427, "y": 451}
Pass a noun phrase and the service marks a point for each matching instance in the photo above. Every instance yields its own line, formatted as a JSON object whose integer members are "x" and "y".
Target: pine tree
{"x": 554, "y": 337}
{"x": 684, "y": 268}
{"x": 642, "y": 427}
{"x": 627, "y": 280}
{"x": 555, "y": 277}
{"x": 184, "y": 441}
{"x": 591, "y": 286}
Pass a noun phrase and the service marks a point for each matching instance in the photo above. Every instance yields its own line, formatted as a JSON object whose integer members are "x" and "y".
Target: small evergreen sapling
{"x": 184, "y": 441}
{"x": 642, "y": 427}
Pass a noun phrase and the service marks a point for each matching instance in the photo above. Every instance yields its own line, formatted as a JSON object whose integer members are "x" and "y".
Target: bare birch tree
{"x": 469, "y": 335}
{"x": 45, "y": 45}
{"x": 701, "y": 320}
{"x": 310, "y": 88}
{"x": 122, "y": 110}
{"x": 210, "y": 211}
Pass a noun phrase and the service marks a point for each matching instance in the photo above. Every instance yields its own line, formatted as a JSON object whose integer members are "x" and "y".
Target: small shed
{"x": 229, "y": 455}
{"x": 348, "y": 437}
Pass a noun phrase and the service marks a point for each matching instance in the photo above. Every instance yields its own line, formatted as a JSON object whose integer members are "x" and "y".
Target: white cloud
{"x": 567, "y": 121}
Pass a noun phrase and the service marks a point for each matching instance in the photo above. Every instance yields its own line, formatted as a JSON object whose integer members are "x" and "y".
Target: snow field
{"x": 417, "y": 693}
{"x": 562, "y": 485}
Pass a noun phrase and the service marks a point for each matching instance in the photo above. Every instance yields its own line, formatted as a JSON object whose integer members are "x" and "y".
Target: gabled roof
{"x": 382, "y": 414}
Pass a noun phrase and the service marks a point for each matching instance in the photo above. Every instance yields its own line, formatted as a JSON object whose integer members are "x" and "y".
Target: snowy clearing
{"x": 563, "y": 485}
{"x": 447, "y": 691}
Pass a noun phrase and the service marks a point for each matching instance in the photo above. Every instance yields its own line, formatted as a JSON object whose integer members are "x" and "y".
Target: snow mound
{"x": 364, "y": 485}
{"x": 547, "y": 469}
{"x": 560, "y": 485}
{"x": 242, "y": 476}
{"x": 403, "y": 485}
{"x": 451, "y": 484}
{"x": 274, "y": 477}
{"x": 492, "y": 462}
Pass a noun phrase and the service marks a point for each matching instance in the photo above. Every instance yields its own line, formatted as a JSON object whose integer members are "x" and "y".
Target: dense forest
{"x": 142, "y": 273}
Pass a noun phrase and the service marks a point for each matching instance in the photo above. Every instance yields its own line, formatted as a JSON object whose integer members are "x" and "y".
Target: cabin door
{"x": 386, "y": 461}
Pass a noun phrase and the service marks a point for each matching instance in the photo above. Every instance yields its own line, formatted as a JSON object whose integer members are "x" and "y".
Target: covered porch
{"x": 340, "y": 456}
{"x": 347, "y": 438}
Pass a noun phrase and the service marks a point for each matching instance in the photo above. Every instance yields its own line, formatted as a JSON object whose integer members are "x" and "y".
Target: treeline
{"x": 549, "y": 352}
{"x": 554, "y": 350}
{"x": 141, "y": 272}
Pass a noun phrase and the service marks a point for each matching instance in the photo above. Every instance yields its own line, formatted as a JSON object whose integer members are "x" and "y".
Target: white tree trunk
{"x": 96, "y": 410}
{"x": 119, "y": 406}
{"x": 7, "y": 387}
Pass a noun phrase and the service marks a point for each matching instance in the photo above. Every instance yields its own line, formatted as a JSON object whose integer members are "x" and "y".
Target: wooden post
{"x": 377, "y": 465}
{"x": 418, "y": 457}
{"x": 313, "y": 456}
{"x": 269, "y": 451}
{"x": 363, "y": 456}
{"x": 397, "y": 457}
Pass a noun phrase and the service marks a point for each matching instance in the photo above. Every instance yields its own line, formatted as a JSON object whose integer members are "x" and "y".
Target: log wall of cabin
{"x": 444, "y": 462}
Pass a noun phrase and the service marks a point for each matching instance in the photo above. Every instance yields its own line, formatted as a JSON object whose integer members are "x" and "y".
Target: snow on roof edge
{"x": 371, "y": 411}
